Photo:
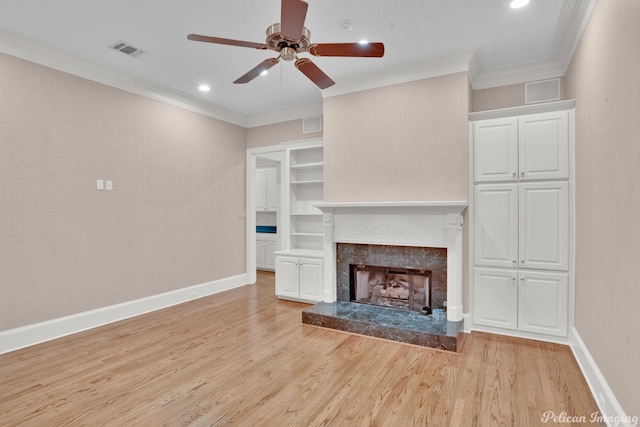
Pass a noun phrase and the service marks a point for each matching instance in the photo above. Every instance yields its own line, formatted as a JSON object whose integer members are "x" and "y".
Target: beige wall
{"x": 171, "y": 221}
{"x": 604, "y": 78}
{"x": 274, "y": 134}
{"x": 406, "y": 142}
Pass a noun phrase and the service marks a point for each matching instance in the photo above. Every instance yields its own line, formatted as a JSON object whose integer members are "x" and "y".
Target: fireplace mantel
{"x": 427, "y": 224}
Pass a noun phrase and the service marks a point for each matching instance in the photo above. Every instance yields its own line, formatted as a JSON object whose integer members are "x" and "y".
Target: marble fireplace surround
{"x": 422, "y": 224}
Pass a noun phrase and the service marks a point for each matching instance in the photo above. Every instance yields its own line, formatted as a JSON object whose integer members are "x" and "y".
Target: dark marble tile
{"x": 386, "y": 323}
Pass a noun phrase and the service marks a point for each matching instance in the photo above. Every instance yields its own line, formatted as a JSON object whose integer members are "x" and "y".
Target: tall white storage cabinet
{"x": 299, "y": 265}
{"x": 522, "y": 210}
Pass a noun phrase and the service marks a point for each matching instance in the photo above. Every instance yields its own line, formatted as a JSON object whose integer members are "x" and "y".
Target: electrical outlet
{"x": 109, "y": 185}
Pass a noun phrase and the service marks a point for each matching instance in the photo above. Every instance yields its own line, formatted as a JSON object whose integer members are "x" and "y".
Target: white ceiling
{"x": 497, "y": 44}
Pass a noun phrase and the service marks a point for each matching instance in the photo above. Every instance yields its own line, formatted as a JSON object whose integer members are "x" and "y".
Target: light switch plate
{"x": 109, "y": 184}
{"x": 100, "y": 184}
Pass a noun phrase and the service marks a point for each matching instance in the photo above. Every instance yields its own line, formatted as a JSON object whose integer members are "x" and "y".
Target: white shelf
{"x": 318, "y": 214}
{"x": 313, "y": 165}
{"x": 311, "y": 181}
{"x": 308, "y": 234}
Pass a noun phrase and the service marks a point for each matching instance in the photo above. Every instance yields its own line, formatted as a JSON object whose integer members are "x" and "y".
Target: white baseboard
{"x": 466, "y": 326}
{"x": 14, "y": 339}
{"x": 611, "y": 411}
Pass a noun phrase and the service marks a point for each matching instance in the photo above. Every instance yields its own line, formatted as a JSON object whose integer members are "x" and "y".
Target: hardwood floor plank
{"x": 243, "y": 357}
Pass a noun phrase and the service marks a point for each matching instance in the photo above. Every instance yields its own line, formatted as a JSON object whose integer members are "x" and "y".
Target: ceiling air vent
{"x": 127, "y": 49}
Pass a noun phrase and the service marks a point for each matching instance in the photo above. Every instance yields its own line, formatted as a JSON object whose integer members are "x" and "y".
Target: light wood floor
{"x": 243, "y": 358}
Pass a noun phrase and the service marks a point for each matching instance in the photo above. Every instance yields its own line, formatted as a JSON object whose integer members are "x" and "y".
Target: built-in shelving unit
{"x": 299, "y": 271}
{"x": 306, "y": 188}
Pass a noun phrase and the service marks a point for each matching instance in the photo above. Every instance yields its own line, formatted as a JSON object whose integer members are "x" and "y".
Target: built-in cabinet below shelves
{"x": 299, "y": 269}
{"x": 299, "y": 278}
{"x": 521, "y": 208}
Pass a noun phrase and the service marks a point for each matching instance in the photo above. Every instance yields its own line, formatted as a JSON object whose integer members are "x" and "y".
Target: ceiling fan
{"x": 290, "y": 37}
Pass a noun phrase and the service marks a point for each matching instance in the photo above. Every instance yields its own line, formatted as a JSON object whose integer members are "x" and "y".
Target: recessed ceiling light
{"x": 204, "y": 88}
{"x": 515, "y": 4}
{"x": 363, "y": 42}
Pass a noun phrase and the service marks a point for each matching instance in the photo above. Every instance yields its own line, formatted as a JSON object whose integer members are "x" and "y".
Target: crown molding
{"x": 574, "y": 17}
{"x": 571, "y": 24}
{"x": 19, "y": 47}
{"x": 401, "y": 74}
{"x": 296, "y": 113}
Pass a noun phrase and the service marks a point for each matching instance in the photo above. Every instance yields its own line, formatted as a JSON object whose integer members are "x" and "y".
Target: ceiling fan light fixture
{"x": 264, "y": 72}
{"x": 516, "y": 4}
{"x": 363, "y": 42}
{"x": 204, "y": 88}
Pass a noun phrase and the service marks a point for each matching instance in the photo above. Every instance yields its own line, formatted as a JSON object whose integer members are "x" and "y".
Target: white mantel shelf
{"x": 414, "y": 223}
{"x": 450, "y": 206}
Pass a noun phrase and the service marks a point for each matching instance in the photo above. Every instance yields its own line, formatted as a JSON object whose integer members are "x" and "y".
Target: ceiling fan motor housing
{"x": 278, "y": 41}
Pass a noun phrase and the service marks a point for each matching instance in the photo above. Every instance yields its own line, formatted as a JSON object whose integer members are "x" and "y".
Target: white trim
{"x": 15, "y": 339}
{"x": 544, "y": 107}
{"x": 296, "y": 113}
{"x": 401, "y": 73}
{"x": 250, "y": 203}
{"x": 607, "y": 403}
{"x": 19, "y": 47}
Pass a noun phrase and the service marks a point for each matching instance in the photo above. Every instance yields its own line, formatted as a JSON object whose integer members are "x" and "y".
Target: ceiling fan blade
{"x": 255, "y": 72}
{"x": 370, "y": 50}
{"x": 314, "y": 73}
{"x": 231, "y": 42}
{"x": 292, "y": 16}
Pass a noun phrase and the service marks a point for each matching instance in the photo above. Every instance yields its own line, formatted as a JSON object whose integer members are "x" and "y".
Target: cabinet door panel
{"x": 287, "y": 278}
{"x": 495, "y": 150}
{"x": 260, "y": 253}
{"x": 544, "y": 146}
{"x": 495, "y": 295}
{"x": 543, "y": 303}
{"x": 272, "y": 189}
{"x": 260, "y": 189}
{"x": 269, "y": 257}
{"x": 311, "y": 282}
{"x": 496, "y": 225}
{"x": 544, "y": 226}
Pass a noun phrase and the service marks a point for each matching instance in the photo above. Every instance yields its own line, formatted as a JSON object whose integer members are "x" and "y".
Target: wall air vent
{"x": 542, "y": 91}
{"x": 127, "y": 49}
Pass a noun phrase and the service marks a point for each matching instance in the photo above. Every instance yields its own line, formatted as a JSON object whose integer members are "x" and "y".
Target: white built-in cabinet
{"x": 267, "y": 189}
{"x": 299, "y": 278}
{"x": 265, "y": 251}
{"x": 521, "y": 222}
{"x": 299, "y": 264}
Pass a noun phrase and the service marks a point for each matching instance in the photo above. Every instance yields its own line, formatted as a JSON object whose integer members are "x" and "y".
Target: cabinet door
{"x": 544, "y": 146}
{"x": 544, "y": 226}
{"x": 260, "y": 189}
{"x": 311, "y": 283}
{"x": 287, "y": 277}
{"x": 495, "y": 298}
{"x": 496, "y": 225}
{"x": 269, "y": 257}
{"x": 260, "y": 253}
{"x": 272, "y": 189}
{"x": 495, "y": 150}
{"x": 543, "y": 303}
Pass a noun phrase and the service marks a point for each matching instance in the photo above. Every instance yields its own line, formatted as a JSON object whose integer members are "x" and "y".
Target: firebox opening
{"x": 403, "y": 288}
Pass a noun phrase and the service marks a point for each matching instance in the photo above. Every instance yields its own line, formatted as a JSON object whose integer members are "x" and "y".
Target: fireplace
{"x": 406, "y": 235}
{"x": 405, "y": 277}
{"x": 403, "y": 288}
{"x": 412, "y": 251}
